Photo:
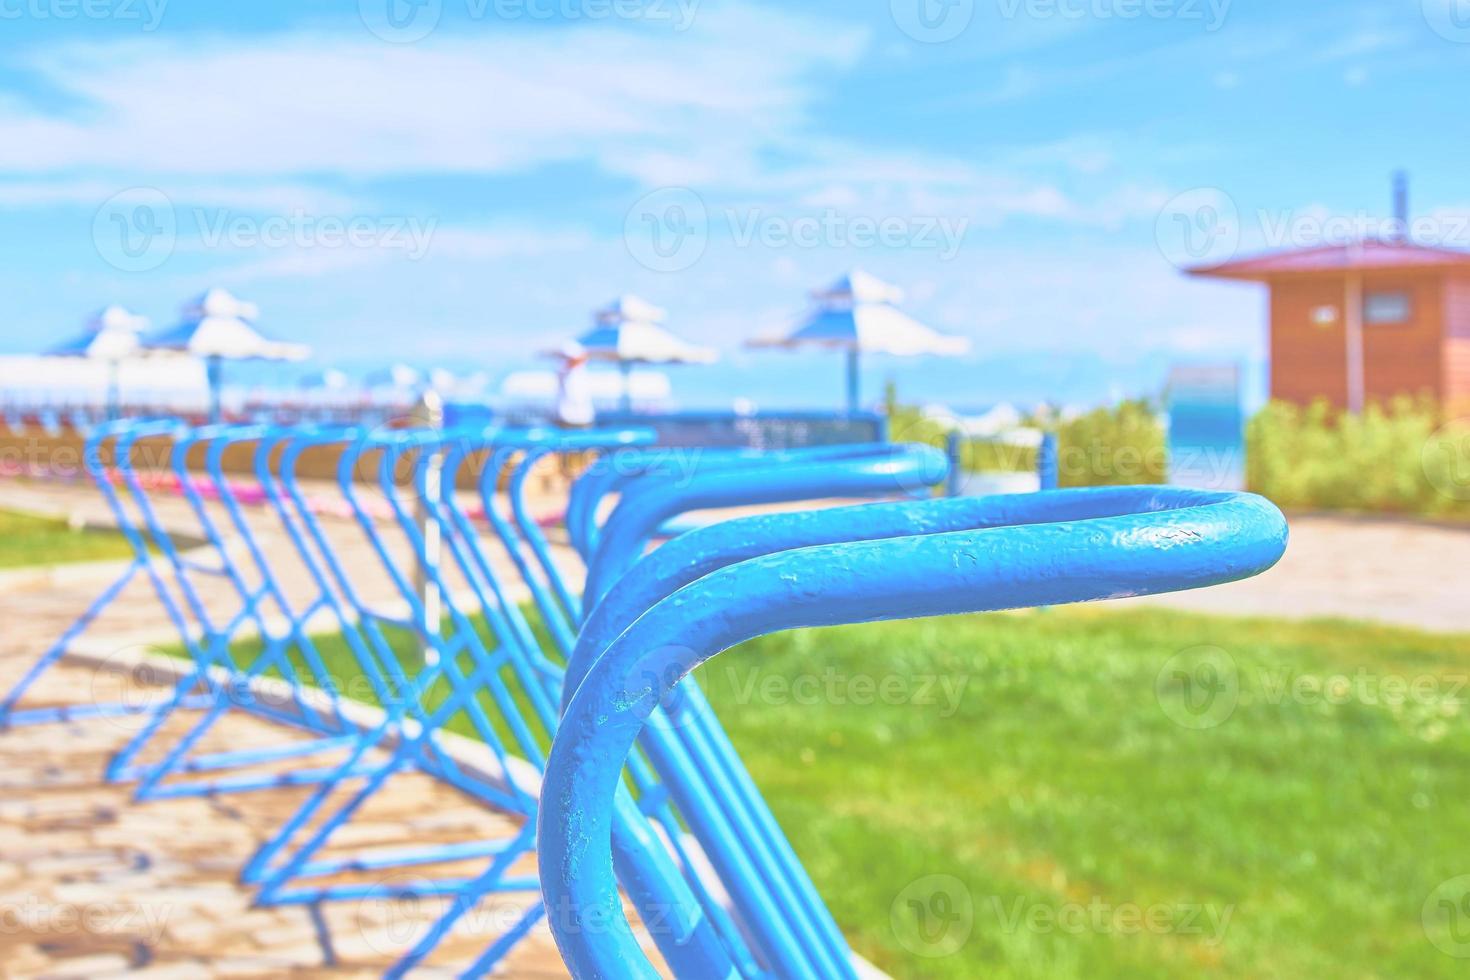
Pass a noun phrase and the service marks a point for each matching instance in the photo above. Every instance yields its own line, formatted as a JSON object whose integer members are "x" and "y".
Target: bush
{"x": 1398, "y": 457}
{"x": 1115, "y": 446}
{"x": 908, "y": 424}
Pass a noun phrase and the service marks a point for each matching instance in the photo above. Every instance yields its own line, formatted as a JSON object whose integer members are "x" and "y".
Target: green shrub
{"x": 907, "y": 424}
{"x": 1398, "y": 457}
{"x": 1115, "y": 446}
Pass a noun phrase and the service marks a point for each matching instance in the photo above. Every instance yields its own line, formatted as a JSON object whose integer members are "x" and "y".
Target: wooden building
{"x": 1364, "y": 322}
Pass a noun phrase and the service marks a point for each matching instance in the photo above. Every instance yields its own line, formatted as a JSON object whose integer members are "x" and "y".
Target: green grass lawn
{"x": 29, "y": 540}
{"x": 1105, "y": 793}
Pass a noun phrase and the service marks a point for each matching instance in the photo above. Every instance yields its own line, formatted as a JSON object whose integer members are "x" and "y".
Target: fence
{"x": 382, "y": 631}
{"x": 758, "y": 430}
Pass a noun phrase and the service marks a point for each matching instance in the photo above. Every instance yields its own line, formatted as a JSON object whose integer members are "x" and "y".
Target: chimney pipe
{"x": 1401, "y": 206}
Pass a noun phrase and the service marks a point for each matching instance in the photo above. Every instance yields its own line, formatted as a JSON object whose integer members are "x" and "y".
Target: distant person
{"x": 574, "y": 408}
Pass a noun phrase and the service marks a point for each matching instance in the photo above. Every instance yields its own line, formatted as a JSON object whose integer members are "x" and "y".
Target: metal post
{"x": 852, "y": 380}
{"x": 429, "y": 414}
{"x": 1047, "y": 466}
{"x": 952, "y": 446}
{"x": 114, "y": 390}
{"x": 626, "y": 367}
{"x": 214, "y": 366}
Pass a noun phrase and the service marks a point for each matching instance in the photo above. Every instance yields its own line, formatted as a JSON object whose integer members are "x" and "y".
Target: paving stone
{"x": 169, "y": 868}
{"x": 85, "y": 967}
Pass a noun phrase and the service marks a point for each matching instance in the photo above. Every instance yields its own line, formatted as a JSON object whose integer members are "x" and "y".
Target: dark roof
{"x": 1363, "y": 256}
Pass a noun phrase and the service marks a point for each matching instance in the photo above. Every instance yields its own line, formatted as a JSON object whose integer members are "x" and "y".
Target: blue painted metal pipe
{"x": 672, "y": 463}
{"x": 693, "y": 755}
{"x": 1154, "y": 540}
{"x": 644, "y": 507}
{"x": 92, "y": 462}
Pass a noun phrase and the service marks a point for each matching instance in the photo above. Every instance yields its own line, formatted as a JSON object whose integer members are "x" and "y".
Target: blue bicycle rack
{"x": 866, "y": 470}
{"x": 514, "y": 646}
{"x": 845, "y": 565}
{"x": 693, "y": 838}
{"x": 729, "y": 820}
{"x": 11, "y": 714}
{"x": 312, "y": 703}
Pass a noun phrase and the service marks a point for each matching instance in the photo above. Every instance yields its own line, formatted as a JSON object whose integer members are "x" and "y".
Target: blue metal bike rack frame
{"x": 1042, "y": 549}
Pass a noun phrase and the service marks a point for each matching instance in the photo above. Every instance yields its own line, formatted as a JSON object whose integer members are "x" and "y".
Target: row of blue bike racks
{"x": 606, "y": 756}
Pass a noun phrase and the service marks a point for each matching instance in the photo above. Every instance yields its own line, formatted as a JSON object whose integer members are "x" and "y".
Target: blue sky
{"x": 458, "y": 182}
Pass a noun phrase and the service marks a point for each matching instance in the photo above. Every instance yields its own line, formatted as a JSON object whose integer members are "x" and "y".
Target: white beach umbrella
{"x": 856, "y": 314}
{"x": 218, "y": 327}
{"x": 630, "y": 331}
{"x": 111, "y": 335}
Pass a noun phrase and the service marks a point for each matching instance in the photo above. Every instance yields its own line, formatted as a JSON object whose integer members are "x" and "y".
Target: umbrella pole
{"x": 114, "y": 392}
{"x": 852, "y": 380}
{"x": 214, "y": 367}
{"x": 626, "y": 367}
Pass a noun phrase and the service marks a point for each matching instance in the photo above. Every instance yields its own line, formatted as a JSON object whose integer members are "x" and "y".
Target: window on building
{"x": 1386, "y": 307}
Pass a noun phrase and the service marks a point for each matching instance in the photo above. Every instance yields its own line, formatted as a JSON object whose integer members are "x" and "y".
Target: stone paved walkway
{"x": 95, "y": 885}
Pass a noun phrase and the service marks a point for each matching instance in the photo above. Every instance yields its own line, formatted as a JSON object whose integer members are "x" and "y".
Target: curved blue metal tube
{"x": 275, "y": 649}
{"x": 686, "y": 937}
{"x": 92, "y": 462}
{"x": 698, "y": 765}
{"x": 593, "y": 487}
{"x": 645, "y": 506}
{"x": 1155, "y": 540}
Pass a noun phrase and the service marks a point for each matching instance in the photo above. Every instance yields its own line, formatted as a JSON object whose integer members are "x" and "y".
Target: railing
{"x": 758, "y": 430}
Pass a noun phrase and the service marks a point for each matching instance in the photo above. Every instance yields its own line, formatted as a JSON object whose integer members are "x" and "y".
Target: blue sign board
{"x": 1206, "y": 427}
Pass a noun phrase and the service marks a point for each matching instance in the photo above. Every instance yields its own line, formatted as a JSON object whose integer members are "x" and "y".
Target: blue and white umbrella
{"x": 630, "y": 331}
{"x": 111, "y": 335}
{"x": 858, "y": 314}
{"x": 218, "y": 327}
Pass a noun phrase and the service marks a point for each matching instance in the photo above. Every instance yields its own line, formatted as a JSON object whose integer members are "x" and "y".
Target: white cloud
{"x": 247, "y": 196}
{"x": 726, "y": 107}
{"x": 277, "y": 105}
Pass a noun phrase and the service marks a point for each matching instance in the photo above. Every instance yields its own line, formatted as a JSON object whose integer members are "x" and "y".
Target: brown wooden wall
{"x": 1309, "y": 361}
{"x": 1457, "y": 345}
{"x": 1406, "y": 358}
